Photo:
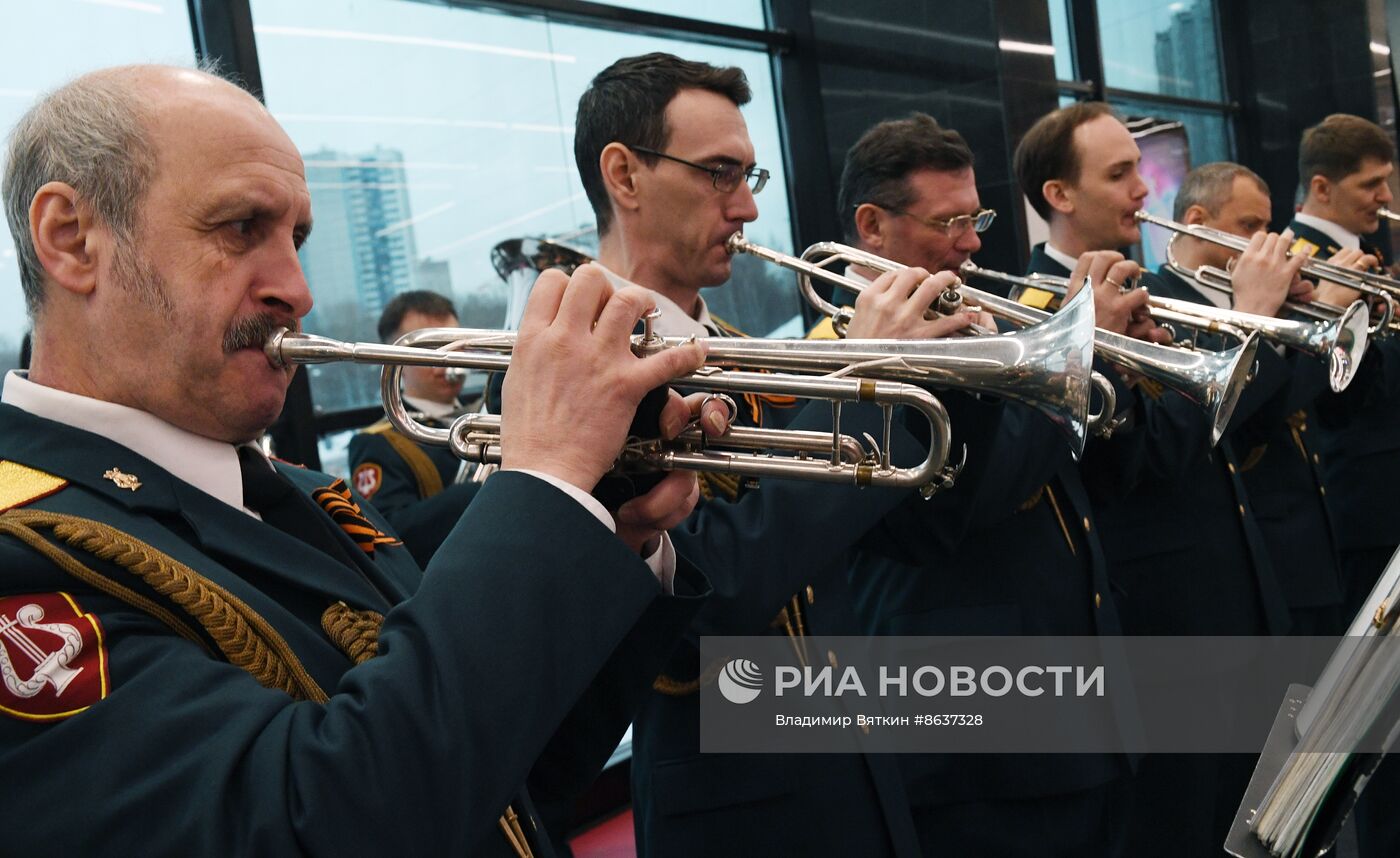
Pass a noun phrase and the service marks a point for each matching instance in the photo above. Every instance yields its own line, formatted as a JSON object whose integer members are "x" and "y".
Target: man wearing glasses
{"x": 908, "y": 193}
{"x": 666, "y": 160}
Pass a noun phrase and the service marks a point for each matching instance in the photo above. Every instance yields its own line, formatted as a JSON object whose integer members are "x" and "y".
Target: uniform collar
{"x": 1345, "y": 238}
{"x": 432, "y": 409}
{"x": 208, "y": 465}
{"x": 1060, "y": 256}
{"x": 674, "y": 322}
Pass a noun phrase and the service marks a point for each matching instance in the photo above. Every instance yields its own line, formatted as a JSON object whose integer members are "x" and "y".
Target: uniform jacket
{"x": 1361, "y": 441}
{"x": 412, "y": 485}
{"x": 1011, "y": 549}
{"x": 524, "y": 646}
{"x": 780, "y": 554}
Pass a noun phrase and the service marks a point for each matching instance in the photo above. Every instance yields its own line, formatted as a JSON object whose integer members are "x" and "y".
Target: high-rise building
{"x": 435, "y": 275}
{"x": 363, "y": 247}
{"x": 1186, "y": 54}
{"x": 361, "y": 253}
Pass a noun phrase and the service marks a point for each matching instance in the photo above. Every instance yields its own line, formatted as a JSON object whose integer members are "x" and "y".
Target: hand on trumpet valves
{"x": 1265, "y": 275}
{"x": 895, "y": 306}
{"x": 1336, "y": 294}
{"x": 1117, "y": 308}
{"x": 642, "y": 520}
{"x": 574, "y": 383}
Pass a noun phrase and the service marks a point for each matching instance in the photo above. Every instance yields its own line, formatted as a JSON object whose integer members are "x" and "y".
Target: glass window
{"x": 1162, "y": 46}
{"x": 462, "y": 139}
{"x": 739, "y": 13}
{"x": 1172, "y": 142}
{"x": 95, "y": 34}
{"x": 1059, "y": 36}
{"x": 1208, "y": 132}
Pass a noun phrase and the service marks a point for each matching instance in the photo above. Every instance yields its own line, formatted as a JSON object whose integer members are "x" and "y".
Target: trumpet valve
{"x": 951, "y": 301}
{"x": 650, "y": 342}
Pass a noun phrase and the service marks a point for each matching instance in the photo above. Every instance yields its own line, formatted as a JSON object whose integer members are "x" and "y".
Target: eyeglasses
{"x": 954, "y": 227}
{"x": 725, "y": 178}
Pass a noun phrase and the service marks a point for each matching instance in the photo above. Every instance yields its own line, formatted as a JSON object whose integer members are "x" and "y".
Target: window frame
{"x": 1087, "y": 53}
{"x": 223, "y": 31}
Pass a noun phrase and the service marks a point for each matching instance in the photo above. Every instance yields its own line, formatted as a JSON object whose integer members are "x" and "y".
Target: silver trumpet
{"x": 827, "y": 457}
{"x": 1049, "y": 367}
{"x": 1339, "y": 335}
{"x": 1383, "y": 291}
{"x": 1214, "y": 380}
{"x": 1341, "y": 341}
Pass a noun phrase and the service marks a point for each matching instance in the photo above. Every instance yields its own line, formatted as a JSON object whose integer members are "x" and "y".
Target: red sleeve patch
{"x": 368, "y": 478}
{"x": 53, "y": 658}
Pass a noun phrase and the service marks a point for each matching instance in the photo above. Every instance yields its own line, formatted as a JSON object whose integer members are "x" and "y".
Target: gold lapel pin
{"x": 121, "y": 479}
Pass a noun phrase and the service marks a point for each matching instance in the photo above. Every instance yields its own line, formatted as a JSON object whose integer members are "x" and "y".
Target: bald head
{"x": 98, "y": 134}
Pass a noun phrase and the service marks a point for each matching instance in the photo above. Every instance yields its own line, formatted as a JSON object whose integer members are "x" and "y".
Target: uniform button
{"x": 1322, "y": 490}
{"x": 1316, "y": 458}
{"x": 1086, "y": 524}
{"x": 831, "y": 657}
{"x": 811, "y": 594}
{"x": 1231, "y": 466}
{"x": 1241, "y": 509}
{"x": 1098, "y": 599}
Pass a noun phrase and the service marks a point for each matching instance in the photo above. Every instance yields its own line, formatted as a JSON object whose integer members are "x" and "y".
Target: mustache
{"x": 254, "y": 331}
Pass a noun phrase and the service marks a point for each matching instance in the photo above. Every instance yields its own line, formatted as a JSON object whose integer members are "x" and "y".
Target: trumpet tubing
{"x": 814, "y": 456}
{"x": 1340, "y": 340}
{"x": 1376, "y": 285}
{"x": 1048, "y": 367}
{"x": 1212, "y": 380}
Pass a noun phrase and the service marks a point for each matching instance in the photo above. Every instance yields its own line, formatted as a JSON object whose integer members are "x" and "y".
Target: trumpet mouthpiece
{"x": 736, "y": 243}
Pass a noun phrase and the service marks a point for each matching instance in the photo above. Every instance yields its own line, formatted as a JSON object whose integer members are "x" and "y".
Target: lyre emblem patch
{"x": 53, "y": 662}
{"x": 121, "y": 479}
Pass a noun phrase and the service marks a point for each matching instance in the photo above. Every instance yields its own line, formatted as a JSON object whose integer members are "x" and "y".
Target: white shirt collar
{"x": 673, "y": 322}
{"x": 1060, "y": 256}
{"x": 430, "y": 408}
{"x": 1345, "y": 238}
{"x": 208, "y": 465}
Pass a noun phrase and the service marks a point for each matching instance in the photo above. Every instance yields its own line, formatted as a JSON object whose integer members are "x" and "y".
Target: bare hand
{"x": 1265, "y": 275}
{"x": 1114, "y": 309}
{"x": 574, "y": 384}
{"x": 1336, "y": 294}
{"x": 895, "y": 306}
{"x": 642, "y": 520}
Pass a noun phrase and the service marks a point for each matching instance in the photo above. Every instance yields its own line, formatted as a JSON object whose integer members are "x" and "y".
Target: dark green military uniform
{"x": 780, "y": 552}
{"x": 232, "y": 718}
{"x": 412, "y": 485}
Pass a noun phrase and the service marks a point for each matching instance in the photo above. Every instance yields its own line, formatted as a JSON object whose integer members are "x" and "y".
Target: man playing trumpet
{"x": 198, "y": 658}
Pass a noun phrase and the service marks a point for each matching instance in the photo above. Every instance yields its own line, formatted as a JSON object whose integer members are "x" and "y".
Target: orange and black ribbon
{"x": 335, "y": 500}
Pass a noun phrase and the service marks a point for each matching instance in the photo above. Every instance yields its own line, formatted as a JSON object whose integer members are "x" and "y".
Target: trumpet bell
{"x": 1047, "y": 366}
{"x": 1346, "y": 348}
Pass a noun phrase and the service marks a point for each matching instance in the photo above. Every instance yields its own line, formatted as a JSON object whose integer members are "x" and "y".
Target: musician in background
{"x": 1344, "y": 166}
{"x": 227, "y": 655}
{"x": 909, "y": 193}
{"x": 1344, "y": 169}
{"x": 1271, "y": 454}
{"x": 414, "y": 485}
{"x": 1158, "y": 485}
{"x": 665, "y": 157}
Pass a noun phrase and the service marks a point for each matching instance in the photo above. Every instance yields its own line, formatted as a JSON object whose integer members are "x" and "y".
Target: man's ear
{"x": 619, "y": 168}
{"x": 64, "y": 237}
{"x": 1320, "y": 188}
{"x": 1057, "y": 195}
{"x": 1195, "y": 214}
{"x": 870, "y": 226}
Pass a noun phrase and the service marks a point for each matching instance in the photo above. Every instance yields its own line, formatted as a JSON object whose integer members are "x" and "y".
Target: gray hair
{"x": 1210, "y": 185}
{"x": 92, "y": 134}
